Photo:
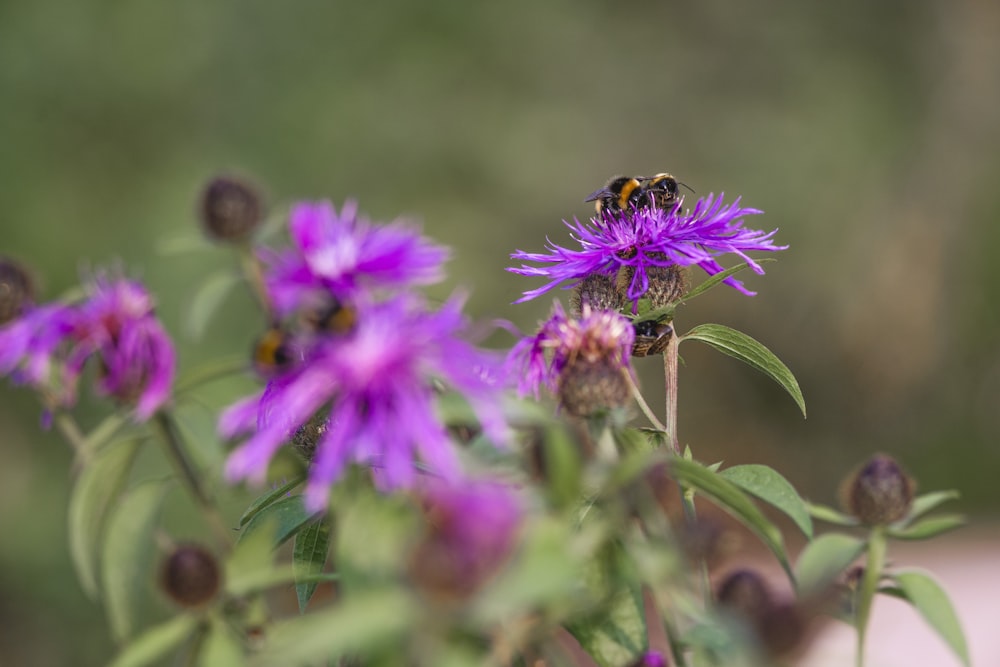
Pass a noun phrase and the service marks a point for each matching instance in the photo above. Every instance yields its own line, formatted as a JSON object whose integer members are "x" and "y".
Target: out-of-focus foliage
{"x": 867, "y": 133}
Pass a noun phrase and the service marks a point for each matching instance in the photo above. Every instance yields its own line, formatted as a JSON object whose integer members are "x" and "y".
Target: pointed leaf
{"x": 741, "y": 346}
{"x": 768, "y": 485}
{"x": 731, "y": 498}
{"x": 715, "y": 280}
{"x": 104, "y": 431}
{"x": 207, "y": 299}
{"x": 927, "y": 502}
{"x": 929, "y": 527}
{"x": 285, "y": 517}
{"x": 830, "y": 515}
{"x": 154, "y": 643}
{"x": 221, "y": 647}
{"x": 269, "y": 498}
{"x": 618, "y": 637}
{"x": 928, "y": 598}
{"x": 312, "y": 545}
{"x": 824, "y": 559}
{"x": 99, "y": 484}
{"x": 127, "y": 552}
{"x": 358, "y": 624}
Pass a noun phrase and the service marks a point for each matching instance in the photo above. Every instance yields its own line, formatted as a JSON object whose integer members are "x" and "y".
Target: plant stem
{"x": 869, "y": 587}
{"x": 670, "y": 385}
{"x": 175, "y": 449}
{"x": 74, "y": 436}
{"x": 254, "y": 276}
{"x": 643, "y": 405}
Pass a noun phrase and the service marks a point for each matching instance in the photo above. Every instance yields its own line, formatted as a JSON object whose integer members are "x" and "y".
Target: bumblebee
{"x": 619, "y": 193}
{"x": 332, "y": 317}
{"x": 272, "y": 352}
{"x": 660, "y": 191}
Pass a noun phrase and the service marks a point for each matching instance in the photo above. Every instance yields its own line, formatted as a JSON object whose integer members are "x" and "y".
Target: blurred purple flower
{"x": 647, "y": 237}
{"x": 471, "y": 530}
{"x": 376, "y": 383}
{"x": 596, "y": 335}
{"x": 342, "y": 254}
{"x": 116, "y": 324}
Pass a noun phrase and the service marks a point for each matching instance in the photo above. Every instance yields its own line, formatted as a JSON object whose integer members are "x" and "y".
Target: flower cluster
{"x": 639, "y": 239}
{"x": 49, "y": 345}
{"x": 370, "y": 384}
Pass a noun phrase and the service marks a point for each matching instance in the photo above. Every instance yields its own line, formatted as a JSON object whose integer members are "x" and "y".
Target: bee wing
{"x": 599, "y": 194}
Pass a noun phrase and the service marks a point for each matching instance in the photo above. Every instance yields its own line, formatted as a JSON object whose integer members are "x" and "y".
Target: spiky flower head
{"x": 637, "y": 240}
{"x": 581, "y": 359}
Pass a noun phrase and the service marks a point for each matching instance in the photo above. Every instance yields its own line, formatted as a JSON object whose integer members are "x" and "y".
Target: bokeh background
{"x": 869, "y": 132}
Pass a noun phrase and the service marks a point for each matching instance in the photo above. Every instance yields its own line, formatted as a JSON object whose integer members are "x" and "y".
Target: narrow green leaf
{"x": 925, "y": 503}
{"x": 928, "y": 598}
{"x": 731, "y": 498}
{"x": 768, "y": 485}
{"x": 927, "y": 528}
{"x": 618, "y": 637}
{"x": 207, "y": 299}
{"x": 285, "y": 517}
{"x": 741, "y": 346}
{"x": 127, "y": 552}
{"x": 207, "y": 372}
{"x": 824, "y": 559}
{"x": 221, "y": 647}
{"x": 99, "y": 484}
{"x": 830, "y": 515}
{"x": 269, "y": 498}
{"x": 715, "y": 280}
{"x": 104, "y": 431}
{"x": 154, "y": 643}
{"x": 312, "y": 545}
{"x": 374, "y": 619}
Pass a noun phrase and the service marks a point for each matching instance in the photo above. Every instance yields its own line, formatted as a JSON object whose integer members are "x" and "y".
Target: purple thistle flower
{"x": 597, "y": 335}
{"x": 471, "y": 530}
{"x": 116, "y": 324}
{"x": 647, "y": 237}
{"x": 343, "y": 254}
{"x": 376, "y": 383}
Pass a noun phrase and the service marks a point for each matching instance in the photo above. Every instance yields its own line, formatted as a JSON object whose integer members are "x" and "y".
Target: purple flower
{"x": 344, "y": 254}
{"x": 116, "y": 324}
{"x": 471, "y": 529}
{"x": 376, "y": 384}
{"x": 648, "y": 237}
{"x": 597, "y": 336}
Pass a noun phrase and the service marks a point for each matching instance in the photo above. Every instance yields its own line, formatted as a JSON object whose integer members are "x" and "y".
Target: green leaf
{"x": 830, "y": 515}
{"x": 925, "y": 503}
{"x": 371, "y": 620}
{"x": 285, "y": 518}
{"x": 104, "y": 431}
{"x": 221, "y": 647}
{"x": 207, "y": 372}
{"x": 312, "y": 545}
{"x": 928, "y": 528}
{"x": 768, "y": 485}
{"x": 156, "y": 642}
{"x": 824, "y": 559}
{"x": 99, "y": 484}
{"x": 618, "y": 637}
{"x": 741, "y": 346}
{"x": 928, "y": 598}
{"x": 731, "y": 498}
{"x": 269, "y": 498}
{"x": 127, "y": 552}
{"x": 207, "y": 299}
{"x": 715, "y": 280}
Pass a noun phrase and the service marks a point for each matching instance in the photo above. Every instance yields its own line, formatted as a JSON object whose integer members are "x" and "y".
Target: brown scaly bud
{"x": 667, "y": 284}
{"x": 588, "y": 386}
{"x": 597, "y": 291}
{"x": 17, "y": 290}
{"x": 879, "y": 492}
{"x": 230, "y": 209}
{"x": 191, "y": 576}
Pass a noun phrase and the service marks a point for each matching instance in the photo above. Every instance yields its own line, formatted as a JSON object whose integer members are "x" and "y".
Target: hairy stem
{"x": 670, "y": 384}
{"x": 869, "y": 587}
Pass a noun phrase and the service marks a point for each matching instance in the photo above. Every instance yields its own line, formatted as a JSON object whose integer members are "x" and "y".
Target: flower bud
{"x": 191, "y": 576}
{"x": 666, "y": 283}
{"x": 587, "y": 386}
{"x": 597, "y": 291}
{"x": 879, "y": 492}
{"x": 745, "y": 593}
{"x": 230, "y": 209}
{"x": 16, "y": 290}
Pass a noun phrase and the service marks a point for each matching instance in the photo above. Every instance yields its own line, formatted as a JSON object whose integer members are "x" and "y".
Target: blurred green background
{"x": 868, "y": 132}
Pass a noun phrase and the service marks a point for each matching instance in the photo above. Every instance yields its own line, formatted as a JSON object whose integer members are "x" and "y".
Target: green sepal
{"x": 830, "y": 515}
{"x": 925, "y": 529}
{"x": 924, "y": 504}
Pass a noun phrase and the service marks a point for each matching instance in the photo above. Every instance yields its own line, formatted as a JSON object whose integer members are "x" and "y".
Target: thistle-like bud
{"x": 230, "y": 209}
{"x": 587, "y": 386}
{"x": 745, "y": 593}
{"x": 879, "y": 492}
{"x": 191, "y": 576}
{"x": 667, "y": 284}
{"x": 306, "y": 438}
{"x": 597, "y": 291}
{"x": 17, "y": 290}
